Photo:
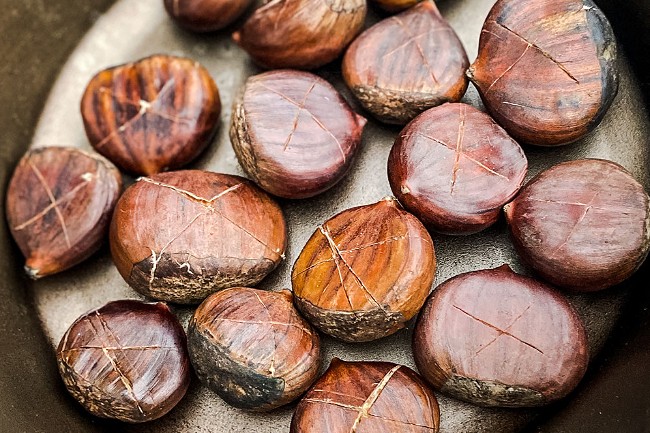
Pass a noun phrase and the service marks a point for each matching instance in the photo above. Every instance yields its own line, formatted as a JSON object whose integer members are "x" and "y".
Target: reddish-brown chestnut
{"x": 496, "y": 338}
{"x": 156, "y": 114}
{"x": 180, "y": 236}
{"x": 405, "y": 64}
{"x": 395, "y": 5}
{"x": 205, "y": 15}
{"x": 367, "y": 397}
{"x": 365, "y": 272}
{"x": 583, "y": 225}
{"x": 127, "y": 360}
{"x": 303, "y": 34}
{"x": 454, "y": 168}
{"x": 252, "y": 348}
{"x": 293, "y": 133}
{"x": 59, "y": 205}
{"x": 546, "y": 70}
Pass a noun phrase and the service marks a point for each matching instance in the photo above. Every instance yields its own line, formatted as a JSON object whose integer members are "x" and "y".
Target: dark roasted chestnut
{"x": 406, "y": 64}
{"x": 377, "y": 397}
{"x": 495, "y": 338}
{"x": 127, "y": 360}
{"x": 59, "y": 205}
{"x": 395, "y": 5}
{"x": 180, "y": 236}
{"x": 365, "y": 272}
{"x": 293, "y": 133}
{"x": 583, "y": 225}
{"x": 205, "y": 15}
{"x": 252, "y": 348}
{"x": 303, "y": 34}
{"x": 454, "y": 168}
{"x": 546, "y": 70}
{"x": 156, "y": 114}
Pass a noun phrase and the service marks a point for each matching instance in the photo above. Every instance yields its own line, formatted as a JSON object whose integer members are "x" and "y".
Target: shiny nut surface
{"x": 395, "y": 5}
{"x": 205, "y": 15}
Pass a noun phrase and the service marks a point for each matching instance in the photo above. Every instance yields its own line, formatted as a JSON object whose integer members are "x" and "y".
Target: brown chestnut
{"x": 454, "y": 168}
{"x": 303, "y": 34}
{"x": 583, "y": 225}
{"x": 395, "y": 5}
{"x": 405, "y": 64}
{"x": 205, "y": 15}
{"x": 153, "y": 115}
{"x": 496, "y": 338}
{"x": 293, "y": 133}
{"x": 252, "y": 348}
{"x": 59, "y": 205}
{"x": 365, "y": 272}
{"x": 546, "y": 70}
{"x": 180, "y": 236}
{"x": 127, "y": 361}
{"x": 367, "y": 397}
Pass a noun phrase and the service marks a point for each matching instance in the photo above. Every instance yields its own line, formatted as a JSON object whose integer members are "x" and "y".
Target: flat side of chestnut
{"x": 205, "y": 15}
{"x": 406, "y": 64}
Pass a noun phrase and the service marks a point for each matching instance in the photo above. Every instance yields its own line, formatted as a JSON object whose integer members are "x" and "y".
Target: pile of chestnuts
{"x": 183, "y": 236}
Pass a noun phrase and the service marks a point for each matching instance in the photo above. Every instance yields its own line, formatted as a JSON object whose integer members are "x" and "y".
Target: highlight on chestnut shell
{"x": 180, "y": 236}
{"x": 365, "y": 272}
{"x": 205, "y": 15}
{"x": 546, "y": 70}
{"x": 252, "y": 348}
{"x": 583, "y": 225}
{"x": 406, "y": 64}
{"x": 496, "y": 338}
{"x": 126, "y": 361}
{"x": 59, "y": 205}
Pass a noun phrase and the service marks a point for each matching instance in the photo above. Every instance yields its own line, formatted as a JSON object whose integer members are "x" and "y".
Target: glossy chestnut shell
{"x": 395, "y": 5}
{"x": 205, "y": 15}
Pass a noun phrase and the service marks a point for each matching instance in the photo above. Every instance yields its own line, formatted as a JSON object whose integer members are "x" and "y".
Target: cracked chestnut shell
{"x": 302, "y": 34}
{"x": 293, "y": 133}
{"x": 252, "y": 348}
{"x": 180, "y": 236}
{"x": 126, "y": 360}
{"x": 365, "y": 272}
{"x": 156, "y": 114}
{"x": 406, "y": 64}
{"x": 395, "y": 5}
{"x": 454, "y": 168}
{"x": 583, "y": 225}
{"x": 546, "y": 70}
{"x": 205, "y": 15}
{"x": 59, "y": 205}
{"x": 496, "y": 338}
{"x": 365, "y": 397}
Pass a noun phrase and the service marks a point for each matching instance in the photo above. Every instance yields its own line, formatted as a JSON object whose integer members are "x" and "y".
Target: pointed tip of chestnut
{"x": 430, "y": 6}
{"x": 361, "y": 121}
{"x": 504, "y": 268}
{"x": 32, "y": 273}
{"x": 236, "y": 37}
{"x": 287, "y": 294}
{"x": 470, "y": 73}
{"x": 336, "y": 361}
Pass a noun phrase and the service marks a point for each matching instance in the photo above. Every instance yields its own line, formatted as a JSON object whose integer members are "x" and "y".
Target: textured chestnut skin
{"x": 302, "y": 34}
{"x": 454, "y": 168}
{"x": 205, "y": 15}
{"x": 156, "y": 114}
{"x": 496, "y": 338}
{"x": 395, "y": 5}
{"x": 583, "y": 225}
{"x": 546, "y": 70}
{"x": 126, "y": 360}
{"x": 59, "y": 205}
{"x": 365, "y": 272}
{"x": 180, "y": 236}
{"x": 406, "y": 64}
{"x": 293, "y": 133}
{"x": 252, "y": 348}
{"x": 365, "y": 397}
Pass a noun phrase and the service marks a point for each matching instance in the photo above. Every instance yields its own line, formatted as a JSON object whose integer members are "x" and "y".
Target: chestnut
{"x": 302, "y": 34}
{"x": 377, "y": 397}
{"x": 583, "y": 225}
{"x": 496, "y": 338}
{"x": 365, "y": 272}
{"x": 59, "y": 205}
{"x": 293, "y": 133}
{"x": 454, "y": 168}
{"x": 205, "y": 15}
{"x": 252, "y": 348}
{"x": 126, "y": 360}
{"x": 156, "y": 114}
{"x": 395, "y": 5}
{"x": 546, "y": 70}
{"x": 406, "y": 64}
{"x": 180, "y": 236}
